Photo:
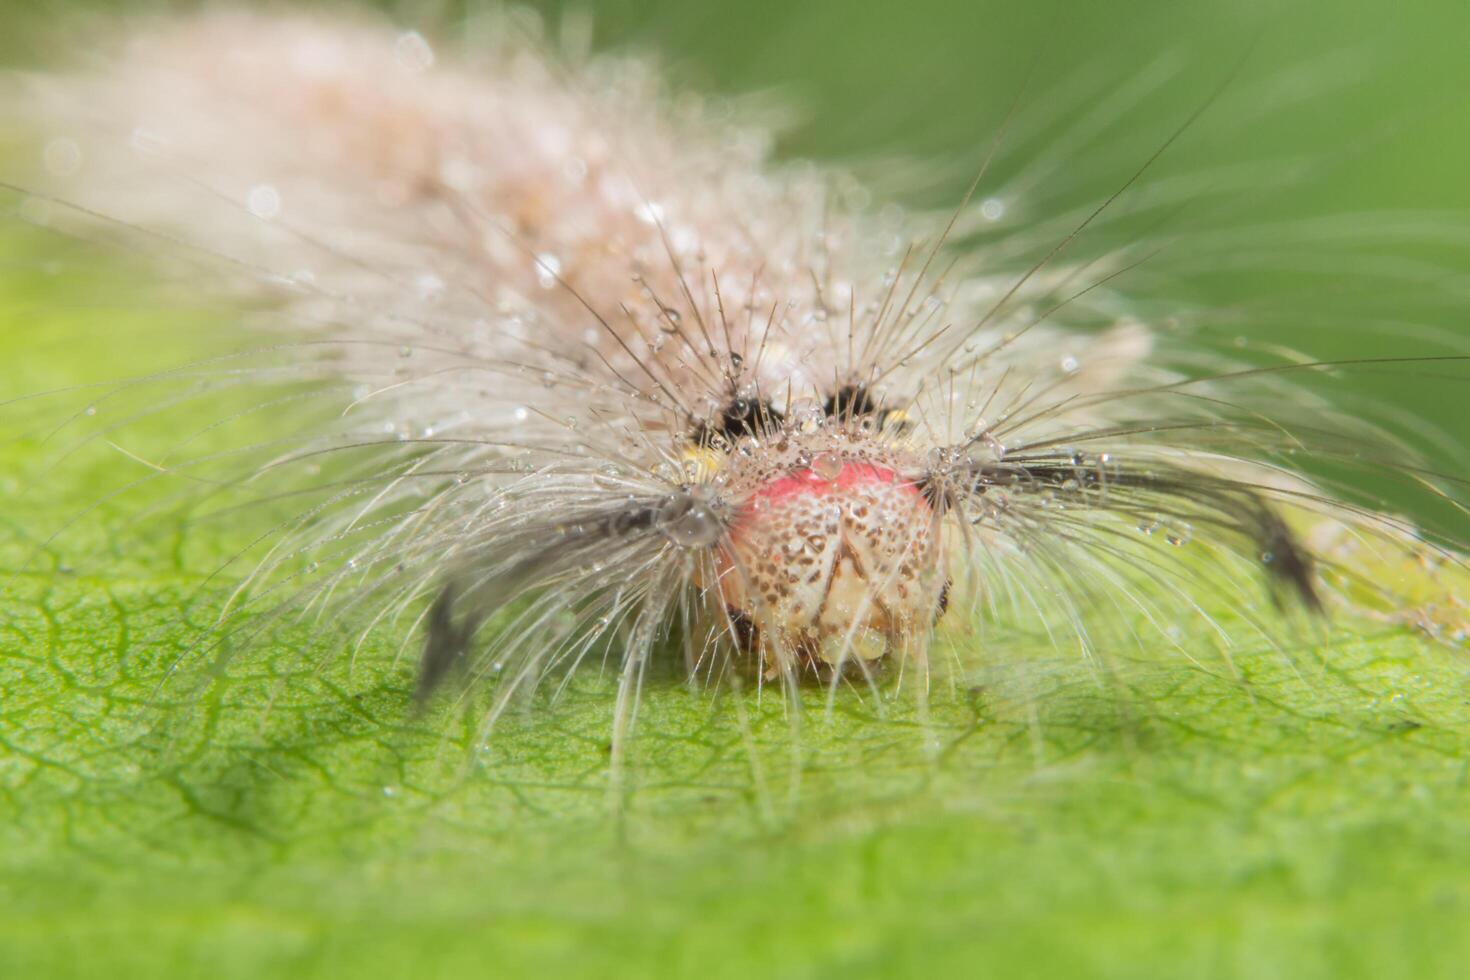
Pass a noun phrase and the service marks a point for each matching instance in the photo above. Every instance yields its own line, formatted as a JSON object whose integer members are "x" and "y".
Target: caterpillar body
{"x": 589, "y": 378}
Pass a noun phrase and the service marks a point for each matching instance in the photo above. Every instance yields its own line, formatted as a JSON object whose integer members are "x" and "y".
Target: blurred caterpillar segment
{"x": 619, "y": 377}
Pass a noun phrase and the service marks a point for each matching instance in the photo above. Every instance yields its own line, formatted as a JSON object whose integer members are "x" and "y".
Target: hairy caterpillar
{"x": 577, "y": 377}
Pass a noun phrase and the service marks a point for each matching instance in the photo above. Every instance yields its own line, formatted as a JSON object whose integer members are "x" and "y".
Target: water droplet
{"x": 460, "y": 174}
{"x": 650, "y": 212}
{"x": 828, "y": 466}
{"x": 264, "y": 201}
{"x": 548, "y": 269}
{"x": 689, "y": 522}
{"x": 429, "y": 286}
{"x": 62, "y": 157}
{"x": 992, "y": 209}
{"x": 413, "y": 52}
{"x": 145, "y": 142}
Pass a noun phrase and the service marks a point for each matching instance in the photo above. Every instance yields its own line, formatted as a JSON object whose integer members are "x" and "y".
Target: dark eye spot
{"x": 741, "y": 417}
{"x": 849, "y": 402}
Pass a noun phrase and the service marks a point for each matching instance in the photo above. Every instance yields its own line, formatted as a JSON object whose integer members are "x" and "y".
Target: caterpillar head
{"x": 832, "y": 555}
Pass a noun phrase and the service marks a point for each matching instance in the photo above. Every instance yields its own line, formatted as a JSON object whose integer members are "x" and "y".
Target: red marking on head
{"x": 807, "y": 482}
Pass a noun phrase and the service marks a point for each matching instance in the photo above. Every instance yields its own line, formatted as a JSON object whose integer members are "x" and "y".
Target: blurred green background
{"x": 1307, "y": 816}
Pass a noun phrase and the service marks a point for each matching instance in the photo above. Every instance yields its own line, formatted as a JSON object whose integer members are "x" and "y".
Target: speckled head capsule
{"x": 833, "y": 554}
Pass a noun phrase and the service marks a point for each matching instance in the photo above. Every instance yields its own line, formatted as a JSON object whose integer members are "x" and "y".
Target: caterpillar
{"x": 579, "y": 377}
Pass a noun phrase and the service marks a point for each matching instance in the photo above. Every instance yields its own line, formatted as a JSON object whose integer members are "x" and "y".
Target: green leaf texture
{"x": 1304, "y": 815}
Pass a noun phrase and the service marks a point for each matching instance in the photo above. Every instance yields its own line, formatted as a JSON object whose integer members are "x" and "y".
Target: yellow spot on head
{"x": 702, "y": 462}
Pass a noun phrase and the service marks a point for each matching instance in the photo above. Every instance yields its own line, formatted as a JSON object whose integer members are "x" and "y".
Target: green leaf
{"x": 1306, "y": 814}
